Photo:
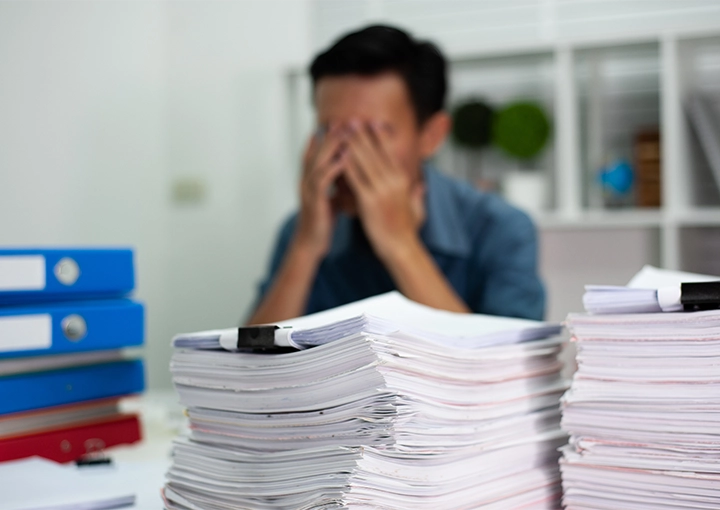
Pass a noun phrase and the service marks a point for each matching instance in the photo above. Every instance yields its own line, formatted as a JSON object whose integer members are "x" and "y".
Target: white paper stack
{"x": 643, "y": 412}
{"x": 652, "y": 290}
{"x": 428, "y": 410}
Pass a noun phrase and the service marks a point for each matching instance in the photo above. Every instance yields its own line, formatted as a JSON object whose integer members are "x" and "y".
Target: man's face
{"x": 382, "y": 99}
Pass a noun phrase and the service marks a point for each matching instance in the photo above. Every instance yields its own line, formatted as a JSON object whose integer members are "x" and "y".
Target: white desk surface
{"x": 143, "y": 465}
{"x": 137, "y": 469}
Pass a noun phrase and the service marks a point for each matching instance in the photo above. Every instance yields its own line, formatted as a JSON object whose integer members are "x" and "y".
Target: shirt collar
{"x": 443, "y": 230}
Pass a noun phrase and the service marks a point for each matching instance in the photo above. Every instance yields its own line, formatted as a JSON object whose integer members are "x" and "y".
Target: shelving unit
{"x": 498, "y": 80}
{"x": 618, "y": 96}
{"x": 599, "y": 91}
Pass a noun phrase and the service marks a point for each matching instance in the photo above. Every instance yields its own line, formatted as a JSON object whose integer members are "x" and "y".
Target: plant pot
{"x": 526, "y": 190}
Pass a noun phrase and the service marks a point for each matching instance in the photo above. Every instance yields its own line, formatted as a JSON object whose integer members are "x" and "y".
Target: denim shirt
{"x": 486, "y": 249}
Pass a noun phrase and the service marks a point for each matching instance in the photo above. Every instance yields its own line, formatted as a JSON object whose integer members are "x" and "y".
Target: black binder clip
{"x": 700, "y": 296}
{"x": 261, "y": 339}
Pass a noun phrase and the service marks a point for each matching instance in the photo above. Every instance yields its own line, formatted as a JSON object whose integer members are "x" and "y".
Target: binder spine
{"x": 72, "y": 443}
{"x": 34, "y": 275}
{"x": 70, "y": 328}
{"x": 58, "y": 387}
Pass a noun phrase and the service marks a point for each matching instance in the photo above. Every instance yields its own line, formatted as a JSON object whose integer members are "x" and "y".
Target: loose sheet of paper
{"x": 651, "y": 277}
{"x": 40, "y": 484}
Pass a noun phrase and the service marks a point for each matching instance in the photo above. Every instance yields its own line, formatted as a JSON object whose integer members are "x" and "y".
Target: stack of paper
{"x": 651, "y": 290}
{"x": 400, "y": 407}
{"x": 644, "y": 412}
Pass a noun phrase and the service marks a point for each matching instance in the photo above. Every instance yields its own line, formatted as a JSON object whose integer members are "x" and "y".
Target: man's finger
{"x": 310, "y": 149}
{"x": 356, "y": 178}
{"x": 417, "y": 202}
{"x": 372, "y": 165}
{"x": 322, "y": 177}
{"x": 367, "y": 151}
{"x": 331, "y": 172}
{"x": 363, "y": 166}
{"x": 359, "y": 133}
{"x": 382, "y": 141}
{"x": 327, "y": 147}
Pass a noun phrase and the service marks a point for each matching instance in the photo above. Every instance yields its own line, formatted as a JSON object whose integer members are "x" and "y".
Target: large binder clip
{"x": 266, "y": 338}
{"x": 700, "y": 296}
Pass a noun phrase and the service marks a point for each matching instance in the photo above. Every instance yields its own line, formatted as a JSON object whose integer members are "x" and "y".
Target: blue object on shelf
{"x": 617, "y": 177}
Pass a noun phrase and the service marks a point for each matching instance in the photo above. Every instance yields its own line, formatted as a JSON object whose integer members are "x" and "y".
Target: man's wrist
{"x": 306, "y": 253}
{"x": 404, "y": 250}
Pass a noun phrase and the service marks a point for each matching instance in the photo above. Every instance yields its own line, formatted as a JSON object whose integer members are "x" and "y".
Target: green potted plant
{"x": 521, "y": 130}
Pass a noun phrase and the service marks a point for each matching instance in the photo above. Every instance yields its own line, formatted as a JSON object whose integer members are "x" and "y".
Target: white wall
{"x": 227, "y": 128}
{"x": 467, "y": 26}
{"x": 105, "y": 106}
{"x": 82, "y": 129}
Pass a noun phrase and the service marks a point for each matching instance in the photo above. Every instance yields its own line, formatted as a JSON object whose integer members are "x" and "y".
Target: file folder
{"x": 72, "y": 443}
{"x": 13, "y": 366}
{"x": 52, "y": 274}
{"x": 58, "y": 387}
{"x": 58, "y": 417}
{"x": 72, "y": 327}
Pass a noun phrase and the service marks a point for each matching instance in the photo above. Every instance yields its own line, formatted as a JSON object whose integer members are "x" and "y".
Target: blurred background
{"x": 175, "y": 127}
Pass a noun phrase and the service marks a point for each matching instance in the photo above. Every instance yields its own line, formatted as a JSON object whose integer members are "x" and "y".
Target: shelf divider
{"x": 567, "y": 178}
{"x": 671, "y": 119}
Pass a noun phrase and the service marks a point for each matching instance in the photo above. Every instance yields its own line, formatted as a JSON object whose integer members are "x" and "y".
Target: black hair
{"x": 377, "y": 49}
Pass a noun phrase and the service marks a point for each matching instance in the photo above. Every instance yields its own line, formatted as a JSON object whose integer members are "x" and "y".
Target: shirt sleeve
{"x": 510, "y": 285}
{"x": 281, "y": 245}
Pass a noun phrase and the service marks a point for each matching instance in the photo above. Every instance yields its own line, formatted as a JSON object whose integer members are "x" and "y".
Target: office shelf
{"x": 618, "y": 219}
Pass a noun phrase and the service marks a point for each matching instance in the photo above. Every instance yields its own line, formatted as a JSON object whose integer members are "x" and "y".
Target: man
{"x": 374, "y": 216}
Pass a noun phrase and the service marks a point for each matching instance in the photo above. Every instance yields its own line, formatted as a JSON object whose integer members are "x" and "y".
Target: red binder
{"x": 71, "y": 443}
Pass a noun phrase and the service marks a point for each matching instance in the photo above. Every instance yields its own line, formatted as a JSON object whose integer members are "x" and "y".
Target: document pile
{"x": 64, "y": 320}
{"x": 643, "y": 410}
{"x": 389, "y": 404}
{"x": 651, "y": 290}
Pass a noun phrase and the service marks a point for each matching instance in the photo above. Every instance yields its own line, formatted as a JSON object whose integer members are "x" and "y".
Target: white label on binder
{"x": 22, "y": 272}
{"x": 25, "y": 332}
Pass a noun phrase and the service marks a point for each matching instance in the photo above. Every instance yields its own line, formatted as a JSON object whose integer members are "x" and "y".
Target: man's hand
{"x": 391, "y": 208}
{"x": 323, "y": 161}
{"x": 390, "y": 204}
{"x": 289, "y": 293}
